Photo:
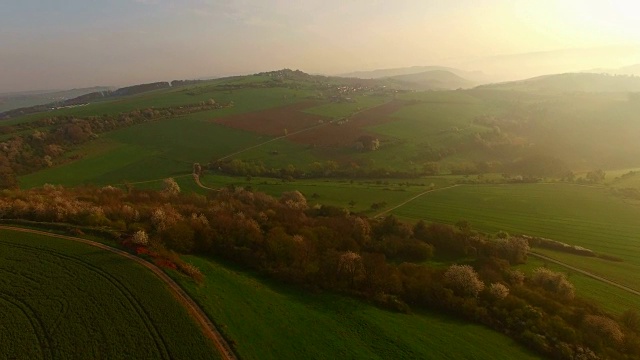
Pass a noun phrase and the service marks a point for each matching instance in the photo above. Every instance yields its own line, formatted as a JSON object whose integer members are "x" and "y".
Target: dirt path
{"x": 583, "y": 272}
{"x": 208, "y": 328}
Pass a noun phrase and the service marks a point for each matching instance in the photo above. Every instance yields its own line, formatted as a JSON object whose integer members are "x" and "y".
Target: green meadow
{"x": 294, "y": 324}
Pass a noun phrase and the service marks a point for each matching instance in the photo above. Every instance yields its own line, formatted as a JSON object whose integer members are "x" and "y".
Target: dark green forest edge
{"x": 324, "y": 248}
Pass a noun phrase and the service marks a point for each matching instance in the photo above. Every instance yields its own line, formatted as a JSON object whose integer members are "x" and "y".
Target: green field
{"x": 610, "y": 298}
{"x": 245, "y": 100}
{"x": 338, "y": 192}
{"x": 63, "y": 300}
{"x": 271, "y": 321}
{"x": 580, "y": 215}
{"x": 147, "y": 151}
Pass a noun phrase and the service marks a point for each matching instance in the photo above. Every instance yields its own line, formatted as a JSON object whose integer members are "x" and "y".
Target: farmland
{"x": 62, "y": 299}
{"x": 286, "y": 135}
{"x": 296, "y": 324}
{"x": 586, "y": 216}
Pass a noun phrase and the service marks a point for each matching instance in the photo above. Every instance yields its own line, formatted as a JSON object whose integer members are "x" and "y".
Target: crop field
{"x": 147, "y": 151}
{"x": 64, "y": 300}
{"x": 274, "y": 121}
{"x": 346, "y": 134}
{"x": 96, "y": 160}
{"x": 170, "y": 146}
{"x": 579, "y": 215}
{"x": 271, "y": 321}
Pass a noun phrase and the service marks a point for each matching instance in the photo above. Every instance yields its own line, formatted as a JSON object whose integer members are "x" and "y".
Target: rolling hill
{"x": 572, "y": 82}
{"x": 434, "y": 80}
{"x": 625, "y": 70}
{"x": 475, "y": 76}
{"x": 10, "y": 101}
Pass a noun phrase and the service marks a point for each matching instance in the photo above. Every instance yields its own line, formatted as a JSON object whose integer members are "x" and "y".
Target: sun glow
{"x": 610, "y": 20}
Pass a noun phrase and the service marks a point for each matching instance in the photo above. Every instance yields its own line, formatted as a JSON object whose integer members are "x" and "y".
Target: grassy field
{"x": 270, "y": 321}
{"x": 249, "y": 99}
{"x": 147, "y": 151}
{"x": 612, "y": 299}
{"x": 338, "y": 192}
{"x": 578, "y": 215}
{"x": 64, "y": 300}
{"x": 437, "y": 120}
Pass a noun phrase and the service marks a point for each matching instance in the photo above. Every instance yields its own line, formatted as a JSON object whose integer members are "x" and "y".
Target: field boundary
{"x": 206, "y": 325}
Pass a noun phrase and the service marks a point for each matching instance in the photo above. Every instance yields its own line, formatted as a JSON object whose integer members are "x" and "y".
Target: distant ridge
{"x": 572, "y": 82}
{"x": 10, "y": 101}
{"x": 625, "y": 70}
{"x": 434, "y": 80}
{"x": 84, "y": 98}
{"x": 474, "y": 76}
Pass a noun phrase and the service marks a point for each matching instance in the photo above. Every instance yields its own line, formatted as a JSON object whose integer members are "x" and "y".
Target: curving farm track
{"x": 208, "y": 328}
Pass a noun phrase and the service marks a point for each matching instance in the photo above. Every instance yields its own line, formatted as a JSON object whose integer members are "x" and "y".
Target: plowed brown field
{"x": 274, "y": 121}
{"x": 291, "y": 117}
{"x": 347, "y": 133}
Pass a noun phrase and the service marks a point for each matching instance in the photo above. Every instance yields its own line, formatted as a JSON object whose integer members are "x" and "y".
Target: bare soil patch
{"x": 274, "y": 121}
{"x": 346, "y": 133}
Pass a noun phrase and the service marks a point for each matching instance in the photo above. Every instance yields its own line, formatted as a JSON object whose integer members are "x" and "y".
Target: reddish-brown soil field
{"x": 347, "y": 134}
{"x": 274, "y": 121}
{"x": 291, "y": 117}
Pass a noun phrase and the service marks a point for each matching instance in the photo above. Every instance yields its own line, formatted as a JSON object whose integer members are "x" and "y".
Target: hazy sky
{"x": 46, "y": 44}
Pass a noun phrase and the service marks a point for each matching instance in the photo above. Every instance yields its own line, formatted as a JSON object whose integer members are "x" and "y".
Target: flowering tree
{"x": 140, "y": 238}
{"x": 463, "y": 280}
{"x": 294, "y": 200}
{"x": 554, "y": 282}
{"x": 171, "y": 187}
{"x": 498, "y": 291}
